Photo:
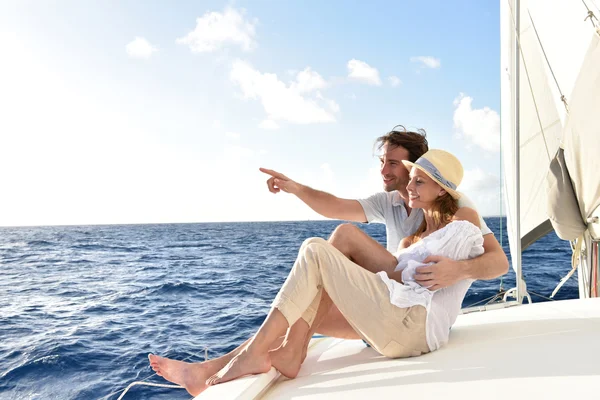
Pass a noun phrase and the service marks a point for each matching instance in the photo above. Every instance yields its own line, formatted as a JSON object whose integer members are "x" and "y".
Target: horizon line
{"x": 190, "y": 223}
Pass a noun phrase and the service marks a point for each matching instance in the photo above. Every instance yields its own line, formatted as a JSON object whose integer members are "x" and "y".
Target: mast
{"x": 517, "y": 150}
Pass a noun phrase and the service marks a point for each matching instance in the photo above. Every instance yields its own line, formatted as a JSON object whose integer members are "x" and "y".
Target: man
{"x": 391, "y": 208}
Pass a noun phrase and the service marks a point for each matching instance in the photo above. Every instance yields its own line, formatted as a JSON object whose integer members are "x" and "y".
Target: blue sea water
{"x": 82, "y": 306}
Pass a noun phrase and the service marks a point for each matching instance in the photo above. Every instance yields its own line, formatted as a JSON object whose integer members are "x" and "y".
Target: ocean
{"x": 82, "y": 306}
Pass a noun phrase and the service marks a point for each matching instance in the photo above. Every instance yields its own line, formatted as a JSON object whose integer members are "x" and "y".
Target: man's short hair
{"x": 414, "y": 142}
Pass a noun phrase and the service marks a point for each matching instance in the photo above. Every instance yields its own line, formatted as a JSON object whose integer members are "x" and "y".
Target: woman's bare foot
{"x": 245, "y": 363}
{"x": 192, "y": 376}
{"x": 287, "y": 360}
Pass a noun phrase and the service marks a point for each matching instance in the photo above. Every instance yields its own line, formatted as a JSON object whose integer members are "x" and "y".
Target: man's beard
{"x": 396, "y": 185}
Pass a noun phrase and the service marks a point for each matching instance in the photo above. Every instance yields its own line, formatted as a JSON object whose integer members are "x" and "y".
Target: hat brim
{"x": 409, "y": 165}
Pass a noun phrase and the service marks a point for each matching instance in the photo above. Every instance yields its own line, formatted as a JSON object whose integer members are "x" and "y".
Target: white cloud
{"x": 232, "y": 135}
{"x": 333, "y": 106}
{"x": 477, "y": 180}
{"x": 268, "y": 125}
{"x": 140, "y": 48}
{"x": 216, "y": 124}
{"x": 394, "y": 81}
{"x": 308, "y": 81}
{"x": 480, "y": 126}
{"x": 281, "y": 102}
{"x": 426, "y": 61}
{"x": 215, "y": 30}
{"x": 483, "y": 188}
{"x": 361, "y": 71}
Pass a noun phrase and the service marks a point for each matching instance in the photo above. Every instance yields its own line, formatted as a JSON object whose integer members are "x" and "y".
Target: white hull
{"x": 537, "y": 351}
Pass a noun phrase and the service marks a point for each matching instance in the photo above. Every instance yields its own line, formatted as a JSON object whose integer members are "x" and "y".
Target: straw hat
{"x": 442, "y": 167}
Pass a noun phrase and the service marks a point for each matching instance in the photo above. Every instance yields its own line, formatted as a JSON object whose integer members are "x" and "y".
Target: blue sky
{"x": 148, "y": 111}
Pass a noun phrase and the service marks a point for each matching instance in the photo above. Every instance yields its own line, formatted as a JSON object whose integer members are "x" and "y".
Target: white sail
{"x": 582, "y": 134}
{"x": 546, "y": 46}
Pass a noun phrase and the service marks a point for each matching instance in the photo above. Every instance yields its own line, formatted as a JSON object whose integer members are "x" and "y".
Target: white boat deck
{"x": 539, "y": 351}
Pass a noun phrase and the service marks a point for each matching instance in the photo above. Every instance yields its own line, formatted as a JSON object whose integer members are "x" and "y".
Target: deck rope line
{"x": 489, "y": 300}
{"x": 162, "y": 385}
{"x": 542, "y": 296}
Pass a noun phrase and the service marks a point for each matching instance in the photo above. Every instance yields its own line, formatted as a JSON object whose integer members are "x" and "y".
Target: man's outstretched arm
{"x": 323, "y": 203}
{"x": 446, "y": 272}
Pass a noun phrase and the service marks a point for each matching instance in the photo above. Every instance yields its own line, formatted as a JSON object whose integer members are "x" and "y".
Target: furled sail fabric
{"x": 582, "y": 133}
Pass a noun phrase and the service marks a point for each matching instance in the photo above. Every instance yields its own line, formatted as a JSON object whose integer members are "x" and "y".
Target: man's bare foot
{"x": 192, "y": 376}
{"x": 286, "y": 360}
{"x": 245, "y": 363}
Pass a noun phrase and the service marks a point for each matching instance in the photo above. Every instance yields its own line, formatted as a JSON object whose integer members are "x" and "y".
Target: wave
{"x": 174, "y": 289}
{"x": 189, "y": 246}
{"x": 40, "y": 243}
{"x": 106, "y": 248}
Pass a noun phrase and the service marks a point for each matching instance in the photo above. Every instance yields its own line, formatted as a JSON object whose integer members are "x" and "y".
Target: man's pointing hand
{"x": 278, "y": 182}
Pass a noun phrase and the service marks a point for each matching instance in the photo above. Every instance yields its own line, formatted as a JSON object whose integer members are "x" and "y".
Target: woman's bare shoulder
{"x": 406, "y": 242}
{"x": 467, "y": 214}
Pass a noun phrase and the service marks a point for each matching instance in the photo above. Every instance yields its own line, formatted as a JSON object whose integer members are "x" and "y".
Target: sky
{"x": 120, "y": 112}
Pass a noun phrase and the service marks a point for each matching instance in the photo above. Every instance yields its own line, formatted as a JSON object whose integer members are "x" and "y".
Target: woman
{"x": 388, "y": 309}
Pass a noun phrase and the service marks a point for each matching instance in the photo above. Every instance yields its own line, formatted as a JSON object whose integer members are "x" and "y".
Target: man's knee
{"x": 342, "y": 236}
{"x": 343, "y": 232}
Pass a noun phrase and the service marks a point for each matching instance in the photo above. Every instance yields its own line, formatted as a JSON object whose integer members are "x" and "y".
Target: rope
{"x": 542, "y": 296}
{"x": 142, "y": 382}
{"x": 590, "y": 14}
{"x": 575, "y": 250}
{"x": 149, "y": 384}
{"x": 481, "y": 301}
{"x": 562, "y": 96}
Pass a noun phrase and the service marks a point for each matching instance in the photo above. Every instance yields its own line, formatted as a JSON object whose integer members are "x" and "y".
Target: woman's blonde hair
{"x": 444, "y": 208}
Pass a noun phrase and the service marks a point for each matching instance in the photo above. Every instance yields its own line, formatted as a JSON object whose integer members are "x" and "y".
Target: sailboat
{"x": 550, "y": 115}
